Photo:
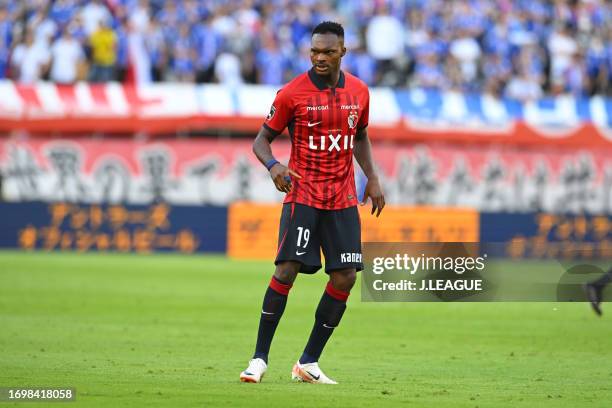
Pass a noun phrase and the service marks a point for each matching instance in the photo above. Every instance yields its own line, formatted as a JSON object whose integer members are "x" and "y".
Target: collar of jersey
{"x": 320, "y": 83}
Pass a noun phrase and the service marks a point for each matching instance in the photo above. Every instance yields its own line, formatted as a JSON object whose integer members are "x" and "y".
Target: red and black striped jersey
{"x": 322, "y": 124}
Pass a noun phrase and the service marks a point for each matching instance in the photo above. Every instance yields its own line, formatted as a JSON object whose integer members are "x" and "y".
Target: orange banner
{"x": 420, "y": 224}
{"x": 253, "y": 228}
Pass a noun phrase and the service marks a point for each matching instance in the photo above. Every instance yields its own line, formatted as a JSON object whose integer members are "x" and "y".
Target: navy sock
{"x": 604, "y": 279}
{"x": 328, "y": 315}
{"x": 272, "y": 309}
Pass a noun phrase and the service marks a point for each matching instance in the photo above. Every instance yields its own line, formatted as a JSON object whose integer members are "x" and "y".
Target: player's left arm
{"x": 362, "y": 151}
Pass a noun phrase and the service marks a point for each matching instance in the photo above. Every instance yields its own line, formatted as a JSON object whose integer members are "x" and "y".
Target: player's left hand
{"x": 374, "y": 191}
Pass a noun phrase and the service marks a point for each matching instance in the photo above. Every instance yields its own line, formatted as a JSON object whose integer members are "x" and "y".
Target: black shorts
{"x": 305, "y": 230}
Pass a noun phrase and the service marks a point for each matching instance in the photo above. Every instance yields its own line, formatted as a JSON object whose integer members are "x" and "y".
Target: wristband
{"x": 271, "y": 163}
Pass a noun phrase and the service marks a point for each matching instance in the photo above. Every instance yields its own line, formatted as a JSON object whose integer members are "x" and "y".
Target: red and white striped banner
{"x": 406, "y": 115}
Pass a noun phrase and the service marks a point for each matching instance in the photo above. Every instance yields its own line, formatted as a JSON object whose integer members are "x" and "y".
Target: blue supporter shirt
{"x": 271, "y": 65}
{"x": 207, "y": 43}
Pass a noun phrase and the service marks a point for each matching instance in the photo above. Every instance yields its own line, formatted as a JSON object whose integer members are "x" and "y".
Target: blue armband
{"x": 271, "y": 164}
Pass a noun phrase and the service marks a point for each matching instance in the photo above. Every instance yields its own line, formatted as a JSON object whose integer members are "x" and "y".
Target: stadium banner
{"x": 466, "y": 271}
{"x": 253, "y": 228}
{"x": 119, "y": 228}
{"x": 220, "y": 172}
{"x": 414, "y": 114}
{"x": 547, "y": 236}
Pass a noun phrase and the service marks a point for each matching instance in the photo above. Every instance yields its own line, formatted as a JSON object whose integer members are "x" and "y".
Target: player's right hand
{"x": 281, "y": 176}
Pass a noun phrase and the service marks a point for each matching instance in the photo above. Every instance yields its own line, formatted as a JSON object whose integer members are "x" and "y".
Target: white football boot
{"x": 254, "y": 372}
{"x": 310, "y": 372}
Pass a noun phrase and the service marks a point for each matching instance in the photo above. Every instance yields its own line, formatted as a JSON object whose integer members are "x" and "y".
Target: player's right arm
{"x": 281, "y": 113}
{"x": 278, "y": 172}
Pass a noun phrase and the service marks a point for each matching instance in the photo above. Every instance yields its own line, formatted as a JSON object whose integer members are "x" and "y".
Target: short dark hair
{"x": 329, "y": 27}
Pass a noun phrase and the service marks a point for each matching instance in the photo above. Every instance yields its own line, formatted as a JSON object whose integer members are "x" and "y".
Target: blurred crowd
{"x": 517, "y": 48}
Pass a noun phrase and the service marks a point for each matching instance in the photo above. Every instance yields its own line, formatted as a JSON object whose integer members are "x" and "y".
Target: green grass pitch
{"x": 175, "y": 331}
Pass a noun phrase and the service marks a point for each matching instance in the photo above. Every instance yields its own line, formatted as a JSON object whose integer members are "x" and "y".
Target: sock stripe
{"x": 279, "y": 287}
{"x": 335, "y": 293}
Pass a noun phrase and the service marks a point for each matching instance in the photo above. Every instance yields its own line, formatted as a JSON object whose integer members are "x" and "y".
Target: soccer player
{"x": 594, "y": 290}
{"x": 326, "y": 112}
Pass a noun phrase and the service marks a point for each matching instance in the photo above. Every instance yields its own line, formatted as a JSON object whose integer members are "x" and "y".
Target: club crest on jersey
{"x": 272, "y": 112}
{"x": 352, "y": 119}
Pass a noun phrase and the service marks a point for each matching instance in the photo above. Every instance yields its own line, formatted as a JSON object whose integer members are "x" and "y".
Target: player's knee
{"x": 286, "y": 272}
{"x": 344, "y": 280}
{"x": 351, "y": 277}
